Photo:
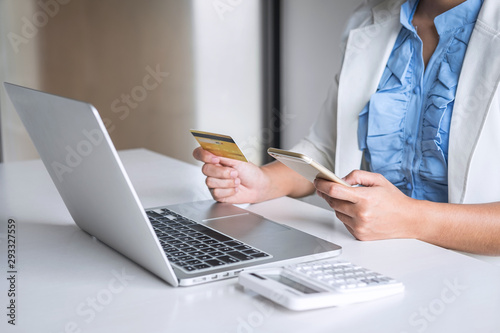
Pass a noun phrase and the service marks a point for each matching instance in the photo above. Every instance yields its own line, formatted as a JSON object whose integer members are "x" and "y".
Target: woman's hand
{"x": 376, "y": 210}
{"x": 232, "y": 181}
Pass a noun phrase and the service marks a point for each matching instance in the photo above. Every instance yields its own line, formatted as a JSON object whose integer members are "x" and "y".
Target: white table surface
{"x": 68, "y": 282}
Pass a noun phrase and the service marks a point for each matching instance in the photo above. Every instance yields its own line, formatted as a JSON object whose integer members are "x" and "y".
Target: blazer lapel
{"x": 367, "y": 52}
{"x": 478, "y": 82}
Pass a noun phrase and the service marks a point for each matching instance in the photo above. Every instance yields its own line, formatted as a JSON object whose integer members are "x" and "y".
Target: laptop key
{"x": 201, "y": 266}
{"x": 216, "y": 254}
{"x": 243, "y": 247}
{"x": 228, "y": 259}
{"x": 182, "y": 263}
{"x": 240, "y": 256}
{"x": 260, "y": 255}
{"x": 214, "y": 262}
{"x": 203, "y": 257}
{"x": 186, "y": 221}
{"x": 233, "y": 243}
{"x": 153, "y": 214}
{"x": 166, "y": 237}
{"x": 189, "y": 249}
{"x": 251, "y": 252}
{"x": 210, "y": 232}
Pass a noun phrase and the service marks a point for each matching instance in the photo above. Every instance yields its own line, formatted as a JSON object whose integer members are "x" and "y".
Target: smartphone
{"x": 304, "y": 165}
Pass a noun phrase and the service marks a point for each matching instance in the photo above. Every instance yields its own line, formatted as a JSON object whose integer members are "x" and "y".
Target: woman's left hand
{"x": 375, "y": 210}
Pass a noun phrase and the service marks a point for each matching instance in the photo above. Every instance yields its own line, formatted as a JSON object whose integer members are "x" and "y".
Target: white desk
{"x": 68, "y": 282}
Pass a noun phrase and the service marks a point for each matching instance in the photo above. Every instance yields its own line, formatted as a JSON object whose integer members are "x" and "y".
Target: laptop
{"x": 184, "y": 244}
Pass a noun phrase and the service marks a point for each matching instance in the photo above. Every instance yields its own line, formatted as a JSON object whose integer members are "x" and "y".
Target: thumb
{"x": 229, "y": 162}
{"x": 364, "y": 178}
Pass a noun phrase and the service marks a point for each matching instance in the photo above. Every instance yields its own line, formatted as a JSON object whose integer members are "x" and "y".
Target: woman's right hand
{"x": 232, "y": 181}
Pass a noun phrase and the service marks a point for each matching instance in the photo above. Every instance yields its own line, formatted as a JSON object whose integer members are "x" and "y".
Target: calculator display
{"x": 292, "y": 284}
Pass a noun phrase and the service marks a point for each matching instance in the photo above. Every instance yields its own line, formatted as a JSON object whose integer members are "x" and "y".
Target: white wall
{"x": 18, "y": 64}
{"x": 310, "y": 58}
{"x": 227, "y": 75}
{"x": 97, "y": 51}
{"x": 102, "y": 52}
{"x": 228, "y": 66}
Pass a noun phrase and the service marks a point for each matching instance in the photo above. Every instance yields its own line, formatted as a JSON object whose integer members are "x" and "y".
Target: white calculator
{"x": 319, "y": 284}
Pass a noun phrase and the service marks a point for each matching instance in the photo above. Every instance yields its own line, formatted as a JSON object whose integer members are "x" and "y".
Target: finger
{"x": 346, "y": 219}
{"x": 205, "y": 156}
{"x": 339, "y": 206}
{"x": 217, "y": 171}
{"x": 337, "y": 191}
{"x": 348, "y": 222}
{"x": 224, "y": 195}
{"x": 213, "y": 183}
{"x": 365, "y": 178}
{"x": 229, "y": 162}
{"x": 351, "y": 230}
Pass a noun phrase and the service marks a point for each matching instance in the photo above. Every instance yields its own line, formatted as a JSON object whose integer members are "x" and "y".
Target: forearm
{"x": 469, "y": 228}
{"x": 283, "y": 181}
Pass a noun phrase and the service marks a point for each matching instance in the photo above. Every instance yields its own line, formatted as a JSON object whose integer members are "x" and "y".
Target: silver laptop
{"x": 183, "y": 244}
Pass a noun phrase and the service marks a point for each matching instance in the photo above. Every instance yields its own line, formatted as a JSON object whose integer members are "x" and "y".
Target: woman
{"x": 416, "y": 102}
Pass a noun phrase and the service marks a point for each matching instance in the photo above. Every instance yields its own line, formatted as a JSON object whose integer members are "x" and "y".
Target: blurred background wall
{"x": 153, "y": 68}
{"x": 156, "y": 68}
{"x": 310, "y": 58}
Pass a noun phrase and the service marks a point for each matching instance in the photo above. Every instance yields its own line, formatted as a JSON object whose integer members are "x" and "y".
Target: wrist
{"x": 267, "y": 188}
{"x": 420, "y": 224}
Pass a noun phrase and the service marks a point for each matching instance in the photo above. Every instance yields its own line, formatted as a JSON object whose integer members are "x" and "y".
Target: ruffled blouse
{"x": 404, "y": 128}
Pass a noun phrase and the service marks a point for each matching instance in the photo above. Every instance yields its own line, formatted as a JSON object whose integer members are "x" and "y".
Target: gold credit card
{"x": 218, "y": 144}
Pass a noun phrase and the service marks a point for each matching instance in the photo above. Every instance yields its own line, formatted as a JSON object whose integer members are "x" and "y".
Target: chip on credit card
{"x": 218, "y": 144}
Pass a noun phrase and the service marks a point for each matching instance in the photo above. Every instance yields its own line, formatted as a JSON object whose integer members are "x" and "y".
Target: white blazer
{"x": 474, "y": 148}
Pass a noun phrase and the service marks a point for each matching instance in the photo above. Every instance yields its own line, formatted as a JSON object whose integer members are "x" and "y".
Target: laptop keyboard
{"x": 192, "y": 246}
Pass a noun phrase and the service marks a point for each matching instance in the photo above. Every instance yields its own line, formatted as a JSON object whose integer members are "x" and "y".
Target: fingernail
{"x": 215, "y": 160}
{"x": 237, "y": 181}
{"x": 234, "y": 174}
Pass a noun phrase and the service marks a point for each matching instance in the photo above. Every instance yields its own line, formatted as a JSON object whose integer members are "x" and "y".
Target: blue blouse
{"x": 404, "y": 128}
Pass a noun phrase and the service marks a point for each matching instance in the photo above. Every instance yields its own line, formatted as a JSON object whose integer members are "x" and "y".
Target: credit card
{"x": 218, "y": 144}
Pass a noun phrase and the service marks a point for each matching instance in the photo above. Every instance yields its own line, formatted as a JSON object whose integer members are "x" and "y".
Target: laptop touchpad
{"x": 246, "y": 225}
